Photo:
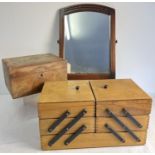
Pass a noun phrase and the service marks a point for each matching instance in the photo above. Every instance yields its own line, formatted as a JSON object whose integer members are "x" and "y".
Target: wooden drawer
{"x": 26, "y": 75}
{"x": 55, "y": 110}
{"x": 135, "y": 107}
{"x": 101, "y": 121}
{"x": 89, "y": 122}
{"x": 92, "y": 140}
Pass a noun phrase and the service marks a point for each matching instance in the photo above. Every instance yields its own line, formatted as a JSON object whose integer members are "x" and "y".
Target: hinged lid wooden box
{"x": 26, "y": 75}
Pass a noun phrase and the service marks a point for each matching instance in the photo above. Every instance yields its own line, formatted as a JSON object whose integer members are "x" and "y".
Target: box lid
{"x": 66, "y": 91}
{"x": 120, "y": 89}
{"x": 26, "y": 64}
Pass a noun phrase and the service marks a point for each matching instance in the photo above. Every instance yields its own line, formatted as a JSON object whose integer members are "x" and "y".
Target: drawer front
{"x": 135, "y": 107}
{"x": 45, "y": 124}
{"x": 92, "y": 140}
{"x": 48, "y": 110}
{"x": 101, "y": 121}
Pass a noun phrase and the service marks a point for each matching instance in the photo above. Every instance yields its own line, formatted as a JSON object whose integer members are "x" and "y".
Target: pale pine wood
{"x": 93, "y": 140}
{"x": 117, "y": 89}
{"x": 101, "y": 121}
{"x": 26, "y": 75}
{"x": 57, "y": 109}
{"x": 57, "y": 97}
{"x": 89, "y": 122}
{"x": 134, "y": 107}
{"x": 65, "y": 91}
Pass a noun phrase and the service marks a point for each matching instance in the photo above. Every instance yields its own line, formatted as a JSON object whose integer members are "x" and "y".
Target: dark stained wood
{"x": 88, "y": 7}
{"x": 61, "y": 34}
{"x": 88, "y": 76}
{"x": 112, "y": 46}
{"x": 95, "y": 8}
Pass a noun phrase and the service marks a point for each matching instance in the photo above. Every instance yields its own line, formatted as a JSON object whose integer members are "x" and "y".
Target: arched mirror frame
{"x": 93, "y": 8}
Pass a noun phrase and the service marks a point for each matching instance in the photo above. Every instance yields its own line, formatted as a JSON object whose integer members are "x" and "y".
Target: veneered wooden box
{"x": 26, "y": 75}
{"x": 95, "y": 97}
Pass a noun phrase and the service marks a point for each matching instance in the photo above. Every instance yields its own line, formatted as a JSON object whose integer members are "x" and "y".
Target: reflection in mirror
{"x": 87, "y": 42}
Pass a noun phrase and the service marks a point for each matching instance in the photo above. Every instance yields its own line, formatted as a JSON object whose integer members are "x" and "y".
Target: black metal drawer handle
{"x": 130, "y": 117}
{"x": 123, "y": 125}
{"x": 74, "y": 135}
{"x": 67, "y": 127}
{"x": 114, "y": 133}
{"x": 58, "y": 121}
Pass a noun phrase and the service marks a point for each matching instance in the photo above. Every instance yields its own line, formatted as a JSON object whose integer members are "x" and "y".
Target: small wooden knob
{"x": 105, "y": 86}
{"x": 41, "y": 74}
{"x": 77, "y": 87}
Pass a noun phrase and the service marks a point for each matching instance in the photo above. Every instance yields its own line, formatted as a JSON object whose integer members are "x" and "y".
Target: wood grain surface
{"x": 134, "y": 107}
{"x": 57, "y": 109}
{"x": 26, "y": 75}
{"x": 65, "y": 91}
{"x": 93, "y": 140}
{"x": 101, "y": 121}
{"x": 89, "y": 122}
{"x": 117, "y": 89}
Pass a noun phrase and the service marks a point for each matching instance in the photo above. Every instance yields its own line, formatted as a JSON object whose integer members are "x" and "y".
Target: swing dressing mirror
{"x": 87, "y": 41}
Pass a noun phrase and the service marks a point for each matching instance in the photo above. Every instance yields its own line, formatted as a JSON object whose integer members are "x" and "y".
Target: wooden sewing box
{"x": 95, "y": 113}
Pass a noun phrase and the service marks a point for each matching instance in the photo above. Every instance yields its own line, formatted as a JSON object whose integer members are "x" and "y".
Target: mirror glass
{"x": 87, "y": 42}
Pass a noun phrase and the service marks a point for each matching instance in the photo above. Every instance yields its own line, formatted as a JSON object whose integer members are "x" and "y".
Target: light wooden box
{"x": 95, "y": 97}
{"x": 26, "y": 75}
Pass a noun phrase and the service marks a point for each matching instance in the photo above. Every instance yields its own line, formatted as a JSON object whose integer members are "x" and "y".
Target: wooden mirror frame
{"x": 93, "y": 8}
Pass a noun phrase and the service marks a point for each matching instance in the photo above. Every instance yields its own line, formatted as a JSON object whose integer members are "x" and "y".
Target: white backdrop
{"x": 31, "y": 28}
